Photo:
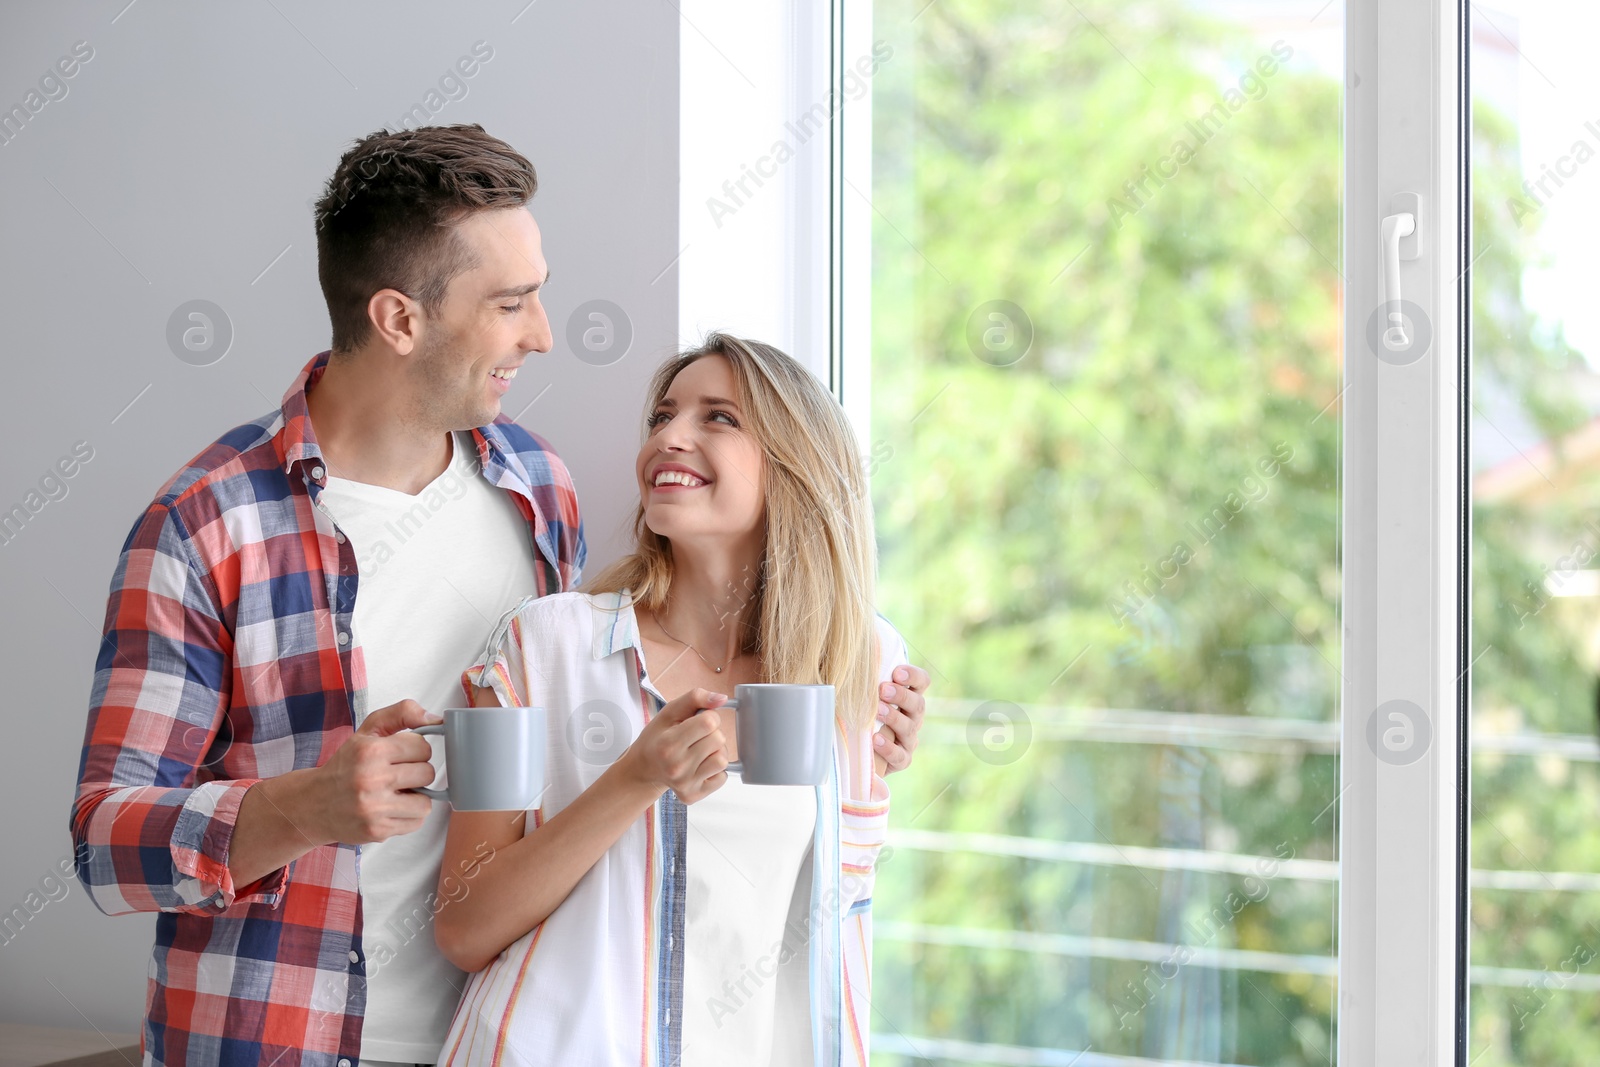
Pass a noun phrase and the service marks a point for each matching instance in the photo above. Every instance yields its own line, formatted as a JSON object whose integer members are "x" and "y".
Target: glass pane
{"x": 1536, "y": 537}
{"x": 1106, "y": 442}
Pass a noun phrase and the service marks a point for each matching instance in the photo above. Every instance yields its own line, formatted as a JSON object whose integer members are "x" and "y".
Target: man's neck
{"x": 369, "y": 434}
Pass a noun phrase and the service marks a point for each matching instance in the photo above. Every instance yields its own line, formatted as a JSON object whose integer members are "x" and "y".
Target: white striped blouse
{"x": 600, "y": 982}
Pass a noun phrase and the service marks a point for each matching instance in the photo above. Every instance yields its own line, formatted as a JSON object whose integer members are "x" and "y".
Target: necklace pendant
{"x": 717, "y": 669}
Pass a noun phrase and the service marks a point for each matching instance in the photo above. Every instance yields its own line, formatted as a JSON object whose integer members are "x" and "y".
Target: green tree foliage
{"x": 1141, "y": 513}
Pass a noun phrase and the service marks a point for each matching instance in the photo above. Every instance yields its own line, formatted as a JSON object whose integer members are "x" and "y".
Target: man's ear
{"x": 397, "y": 319}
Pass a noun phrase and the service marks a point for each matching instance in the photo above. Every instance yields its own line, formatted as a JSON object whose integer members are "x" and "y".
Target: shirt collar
{"x": 300, "y": 438}
{"x": 615, "y": 624}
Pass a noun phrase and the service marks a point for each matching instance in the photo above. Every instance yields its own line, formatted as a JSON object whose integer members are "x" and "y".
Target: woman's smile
{"x": 675, "y": 477}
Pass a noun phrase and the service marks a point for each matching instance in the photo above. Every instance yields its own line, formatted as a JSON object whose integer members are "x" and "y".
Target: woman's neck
{"x": 710, "y": 601}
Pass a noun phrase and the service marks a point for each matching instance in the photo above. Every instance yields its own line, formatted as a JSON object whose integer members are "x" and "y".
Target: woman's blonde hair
{"x": 810, "y": 604}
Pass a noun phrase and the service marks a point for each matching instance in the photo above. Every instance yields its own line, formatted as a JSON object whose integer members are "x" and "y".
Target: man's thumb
{"x": 397, "y": 717}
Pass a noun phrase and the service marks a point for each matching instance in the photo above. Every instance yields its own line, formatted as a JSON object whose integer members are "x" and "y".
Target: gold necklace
{"x": 687, "y": 645}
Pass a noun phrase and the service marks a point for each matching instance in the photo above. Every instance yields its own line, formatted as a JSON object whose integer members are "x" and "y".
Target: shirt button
{"x": 338, "y": 535}
{"x": 355, "y": 957}
{"x": 317, "y": 472}
{"x": 344, "y": 638}
{"x": 344, "y": 1062}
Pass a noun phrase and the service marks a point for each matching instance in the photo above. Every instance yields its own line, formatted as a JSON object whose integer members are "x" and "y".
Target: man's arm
{"x": 147, "y": 837}
{"x": 361, "y": 794}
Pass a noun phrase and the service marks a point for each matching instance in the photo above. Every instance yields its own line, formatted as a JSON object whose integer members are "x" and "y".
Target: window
{"x": 1171, "y": 484}
{"x": 1536, "y": 537}
{"x": 1105, "y": 380}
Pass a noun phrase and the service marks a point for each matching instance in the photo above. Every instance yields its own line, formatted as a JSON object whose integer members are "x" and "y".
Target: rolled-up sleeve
{"x": 864, "y": 809}
{"x": 147, "y": 834}
{"x": 863, "y": 830}
{"x": 501, "y": 667}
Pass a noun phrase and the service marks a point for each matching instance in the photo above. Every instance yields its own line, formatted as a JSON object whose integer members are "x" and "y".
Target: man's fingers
{"x": 912, "y": 703}
{"x": 413, "y": 775}
{"x": 406, "y": 747}
{"x": 894, "y": 742}
{"x": 414, "y": 806}
{"x": 886, "y": 746}
{"x": 911, "y": 677}
{"x": 903, "y": 697}
{"x": 397, "y": 717}
{"x": 898, "y": 726}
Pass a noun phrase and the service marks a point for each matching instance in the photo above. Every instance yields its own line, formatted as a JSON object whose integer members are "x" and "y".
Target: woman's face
{"x": 700, "y": 469}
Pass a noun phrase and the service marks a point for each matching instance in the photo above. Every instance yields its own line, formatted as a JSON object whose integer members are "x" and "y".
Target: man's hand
{"x": 900, "y": 707}
{"x": 358, "y": 792}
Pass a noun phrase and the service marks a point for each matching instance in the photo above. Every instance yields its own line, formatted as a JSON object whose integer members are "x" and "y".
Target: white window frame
{"x": 1403, "y": 835}
{"x": 1402, "y": 937}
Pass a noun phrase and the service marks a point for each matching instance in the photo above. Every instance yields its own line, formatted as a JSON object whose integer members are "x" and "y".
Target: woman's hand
{"x": 682, "y": 750}
{"x": 900, "y": 707}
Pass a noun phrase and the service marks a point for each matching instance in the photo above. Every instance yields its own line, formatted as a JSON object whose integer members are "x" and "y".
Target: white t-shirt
{"x": 435, "y": 571}
{"x": 746, "y": 844}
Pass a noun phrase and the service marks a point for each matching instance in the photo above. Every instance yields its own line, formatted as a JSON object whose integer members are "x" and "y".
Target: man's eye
{"x": 513, "y": 309}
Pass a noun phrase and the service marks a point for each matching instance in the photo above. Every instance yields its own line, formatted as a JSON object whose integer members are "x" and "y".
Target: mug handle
{"x": 437, "y": 729}
{"x": 736, "y": 766}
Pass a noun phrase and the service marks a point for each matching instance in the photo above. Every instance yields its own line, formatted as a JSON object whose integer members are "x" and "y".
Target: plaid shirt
{"x": 227, "y": 658}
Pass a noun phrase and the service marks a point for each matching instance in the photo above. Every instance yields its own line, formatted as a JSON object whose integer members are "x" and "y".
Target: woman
{"x": 654, "y": 909}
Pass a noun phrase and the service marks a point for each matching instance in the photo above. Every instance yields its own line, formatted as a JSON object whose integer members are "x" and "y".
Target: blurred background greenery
{"x": 1106, "y": 430}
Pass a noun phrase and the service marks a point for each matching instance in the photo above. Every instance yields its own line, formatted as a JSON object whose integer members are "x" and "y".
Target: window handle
{"x": 1396, "y": 226}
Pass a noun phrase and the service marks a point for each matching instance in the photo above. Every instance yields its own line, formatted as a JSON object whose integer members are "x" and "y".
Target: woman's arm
{"x": 518, "y": 880}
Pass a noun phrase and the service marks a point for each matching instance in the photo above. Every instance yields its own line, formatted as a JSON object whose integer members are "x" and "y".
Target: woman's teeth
{"x": 677, "y": 478}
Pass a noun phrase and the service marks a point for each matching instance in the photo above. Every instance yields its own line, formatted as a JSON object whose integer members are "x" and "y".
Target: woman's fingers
{"x": 691, "y": 731}
{"x": 708, "y": 755}
{"x": 696, "y": 752}
{"x": 683, "y": 708}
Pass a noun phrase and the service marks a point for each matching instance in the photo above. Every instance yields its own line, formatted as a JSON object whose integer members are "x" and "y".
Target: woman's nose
{"x": 676, "y": 436}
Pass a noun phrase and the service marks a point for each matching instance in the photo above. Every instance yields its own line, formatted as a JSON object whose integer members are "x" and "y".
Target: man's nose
{"x": 538, "y": 337}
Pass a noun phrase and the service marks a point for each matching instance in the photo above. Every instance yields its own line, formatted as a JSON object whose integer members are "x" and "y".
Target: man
{"x": 247, "y": 764}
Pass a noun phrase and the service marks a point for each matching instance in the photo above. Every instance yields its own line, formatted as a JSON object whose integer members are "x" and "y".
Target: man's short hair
{"x": 387, "y": 217}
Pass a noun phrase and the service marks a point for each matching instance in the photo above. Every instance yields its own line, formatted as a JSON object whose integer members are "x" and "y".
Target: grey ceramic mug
{"x": 494, "y": 758}
{"x": 785, "y": 733}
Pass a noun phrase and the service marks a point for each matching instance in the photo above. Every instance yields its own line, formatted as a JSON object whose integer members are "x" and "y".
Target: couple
{"x": 284, "y": 610}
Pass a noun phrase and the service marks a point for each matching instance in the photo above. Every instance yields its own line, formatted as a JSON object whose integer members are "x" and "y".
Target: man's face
{"x": 491, "y": 319}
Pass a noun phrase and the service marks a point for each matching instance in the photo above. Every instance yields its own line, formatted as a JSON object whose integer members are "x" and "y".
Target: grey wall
{"x": 180, "y": 165}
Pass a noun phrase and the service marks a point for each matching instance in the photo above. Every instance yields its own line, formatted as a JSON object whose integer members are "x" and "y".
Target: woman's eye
{"x": 731, "y": 420}
{"x": 655, "y": 420}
